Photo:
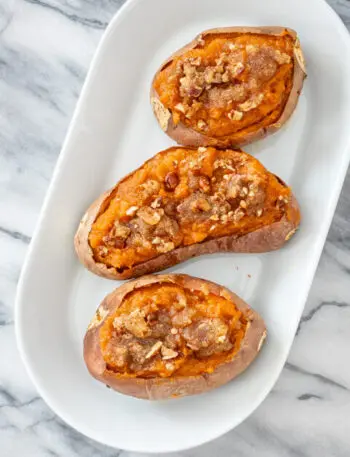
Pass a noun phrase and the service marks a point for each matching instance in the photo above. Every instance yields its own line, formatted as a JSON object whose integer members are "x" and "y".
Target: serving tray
{"x": 112, "y": 132}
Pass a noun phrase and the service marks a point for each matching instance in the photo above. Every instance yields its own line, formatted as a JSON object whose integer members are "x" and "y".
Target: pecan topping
{"x": 117, "y": 236}
{"x": 281, "y": 58}
{"x": 281, "y": 201}
{"x": 200, "y": 204}
{"x": 201, "y": 124}
{"x": 131, "y": 211}
{"x": 171, "y": 181}
{"x": 251, "y": 103}
{"x": 121, "y": 230}
{"x": 204, "y": 183}
{"x": 180, "y": 107}
{"x": 136, "y": 324}
{"x": 168, "y": 353}
{"x": 156, "y": 203}
{"x": 150, "y": 216}
{"x": 154, "y": 349}
{"x": 207, "y": 333}
{"x": 103, "y": 251}
{"x": 165, "y": 246}
{"x": 235, "y": 115}
{"x": 149, "y": 188}
{"x": 223, "y": 163}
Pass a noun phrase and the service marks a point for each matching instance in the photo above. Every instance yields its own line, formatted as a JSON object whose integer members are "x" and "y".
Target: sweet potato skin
{"x": 173, "y": 387}
{"x": 268, "y": 238}
{"x": 186, "y": 136}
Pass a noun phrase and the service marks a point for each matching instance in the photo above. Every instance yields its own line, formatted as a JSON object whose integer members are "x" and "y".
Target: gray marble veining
{"x": 308, "y": 412}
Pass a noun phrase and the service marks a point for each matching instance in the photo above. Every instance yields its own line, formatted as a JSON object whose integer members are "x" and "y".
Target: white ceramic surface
{"x": 113, "y": 131}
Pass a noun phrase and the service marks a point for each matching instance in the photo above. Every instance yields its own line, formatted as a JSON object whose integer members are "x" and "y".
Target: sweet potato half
{"x": 230, "y": 86}
{"x": 183, "y": 203}
{"x": 168, "y": 336}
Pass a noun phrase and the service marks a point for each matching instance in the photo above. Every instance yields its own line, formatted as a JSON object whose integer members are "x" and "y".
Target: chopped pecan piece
{"x": 235, "y": 115}
{"x": 149, "y": 215}
{"x": 165, "y": 246}
{"x": 180, "y": 107}
{"x": 205, "y": 332}
{"x": 201, "y": 124}
{"x": 138, "y": 353}
{"x": 113, "y": 242}
{"x": 238, "y": 215}
{"x": 136, "y": 324}
{"x": 117, "y": 236}
{"x": 281, "y": 201}
{"x": 281, "y": 58}
{"x": 120, "y": 230}
{"x": 236, "y": 69}
{"x": 191, "y": 84}
{"x": 200, "y": 204}
{"x": 168, "y": 353}
{"x": 156, "y": 203}
{"x": 251, "y": 103}
{"x": 195, "y": 61}
{"x": 160, "y": 325}
{"x": 224, "y": 163}
{"x": 204, "y": 184}
{"x": 103, "y": 251}
{"x": 222, "y": 345}
{"x": 170, "y": 208}
{"x": 118, "y": 354}
{"x": 131, "y": 211}
{"x": 195, "y": 91}
{"x": 183, "y": 318}
{"x": 168, "y": 228}
{"x": 149, "y": 188}
{"x": 171, "y": 181}
{"x": 154, "y": 350}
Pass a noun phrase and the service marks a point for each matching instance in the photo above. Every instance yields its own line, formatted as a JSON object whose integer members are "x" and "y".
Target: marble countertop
{"x": 45, "y": 50}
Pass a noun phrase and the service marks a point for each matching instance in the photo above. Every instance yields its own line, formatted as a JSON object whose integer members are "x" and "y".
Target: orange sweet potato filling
{"x": 182, "y": 197}
{"x": 232, "y": 84}
{"x": 165, "y": 329}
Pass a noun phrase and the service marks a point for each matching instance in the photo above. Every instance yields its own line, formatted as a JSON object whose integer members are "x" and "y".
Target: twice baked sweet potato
{"x": 183, "y": 203}
{"x": 168, "y": 336}
{"x": 230, "y": 86}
